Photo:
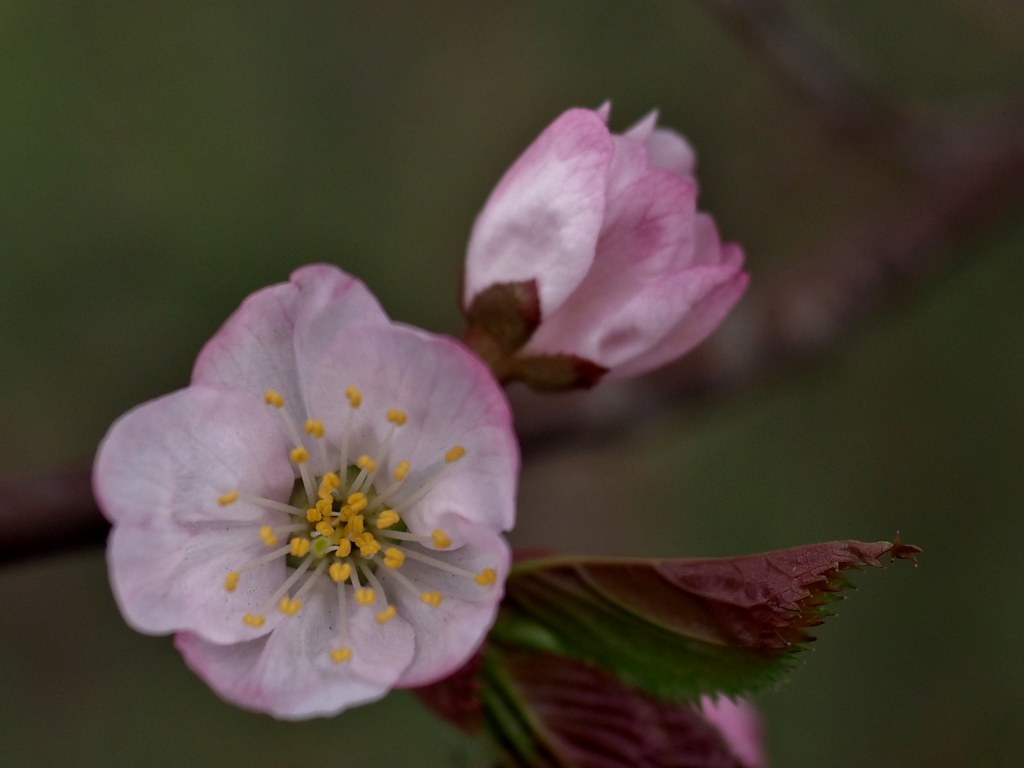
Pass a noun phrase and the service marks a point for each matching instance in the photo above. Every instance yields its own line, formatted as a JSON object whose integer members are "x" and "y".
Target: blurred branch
{"x": 48, "y": 513}
{"x": 815, "y": 73}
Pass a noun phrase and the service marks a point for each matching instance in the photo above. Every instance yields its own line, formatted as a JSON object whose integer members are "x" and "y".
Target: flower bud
{"x": 590, "y": 258}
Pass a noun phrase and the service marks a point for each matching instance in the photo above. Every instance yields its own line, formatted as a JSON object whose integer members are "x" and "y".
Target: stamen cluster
{"x": 348, "y": 528}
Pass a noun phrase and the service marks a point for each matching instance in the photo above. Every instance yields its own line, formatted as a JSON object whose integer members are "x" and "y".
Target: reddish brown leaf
{"x": 580, "y": 717}
{"x": 679, "y": 628}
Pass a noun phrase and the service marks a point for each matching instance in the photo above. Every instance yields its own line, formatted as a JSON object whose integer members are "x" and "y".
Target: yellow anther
{"x": 386, "y": 615}
{"x": 341, "y": 655}
{"x": 314, "y": 428}
{"x": 354, "y": 526}
{"x": 273, "y": 397}
{"x": 268, "y": 536}
{"x": 368, "y": 546}
{"x": 313, "y": 515}
{"x": 231, "y": 581}
{"x": 454, "y": 453}
{"x": 396, "y": 417}
{"x": 299, "y": 546}
{"x": 357, "y": 502}
{"x": 324, "y": 528}
{"x": 365, "y": 596}
{"x": 339, "y": 572}
{"x": 253, "y": 619}
{"x": 289, "y": 607}
{"x": 299, "y": 455}
{"x": 387, "y": 518}
{"x": 328, "y": 484}
{"x": 433, "y": 599}
{"x": 394, "y": 558}
{"x": 401, "y": 470}
{"x": 486, "y": 577}
{"x": 355, "y": 398}
{"x": 228, "y": 498}
{"x": 325, "y": 505}
{"x": 344, "y": 548}
{"x": 440, "y": 539}
{"x": 365, "y": 462}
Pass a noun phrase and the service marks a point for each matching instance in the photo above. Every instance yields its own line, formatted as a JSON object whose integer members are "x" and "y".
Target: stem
{"x": 48, "y": 513}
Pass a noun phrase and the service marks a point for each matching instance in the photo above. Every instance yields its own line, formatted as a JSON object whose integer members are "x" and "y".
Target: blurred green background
{"x": 159, "y": 162}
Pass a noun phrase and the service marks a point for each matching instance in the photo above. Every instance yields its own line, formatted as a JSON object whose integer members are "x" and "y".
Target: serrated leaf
{"x": 547, "y": 711}
{"x": 680, "y": 628}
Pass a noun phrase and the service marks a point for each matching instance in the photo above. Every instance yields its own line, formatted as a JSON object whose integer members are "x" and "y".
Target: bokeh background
{"x": 158, "y": 162}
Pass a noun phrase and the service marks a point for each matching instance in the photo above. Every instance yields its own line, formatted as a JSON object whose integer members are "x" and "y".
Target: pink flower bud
{"x": 603, "y": 229}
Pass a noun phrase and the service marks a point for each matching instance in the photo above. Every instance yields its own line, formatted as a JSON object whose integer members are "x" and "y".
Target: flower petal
{"x": 255, "y": 349}
{"x": 167, "y": 578}
{"x": 289, "y": 673}
{"x": 643, "y": 326}
{"x": 450, "y": 399}
{"x": 447, "y": 635}
{"x": 169, "y": 460}
{"x": 666, "y": 149}
{"x": 542, "y": 220}
{"x": 709, "y": 249}
{"x": 648, "y": 234}
{"x": 649, "y": 228}
{"x": 629, "y": 164}
{"x": 671, "y": 152}
{"x": 709, "y": 296}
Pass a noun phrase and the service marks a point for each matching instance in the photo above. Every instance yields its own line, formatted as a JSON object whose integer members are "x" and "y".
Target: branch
{"x": 820, "y": 78}
{"x": 48, "y": 513}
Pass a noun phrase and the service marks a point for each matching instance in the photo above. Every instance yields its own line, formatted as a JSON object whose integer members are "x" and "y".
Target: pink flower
{"x": 318, "y": 515}
{"x": 627, "y": 274}
{"x": 740, "y": 726}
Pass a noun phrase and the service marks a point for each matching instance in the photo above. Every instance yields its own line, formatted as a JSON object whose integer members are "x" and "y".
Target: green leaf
{"x": 680, "y": 628}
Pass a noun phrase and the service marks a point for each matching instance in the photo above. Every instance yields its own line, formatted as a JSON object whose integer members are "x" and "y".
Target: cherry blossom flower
{"x": 627, "y": 274}
{"x": 318, "y": 515}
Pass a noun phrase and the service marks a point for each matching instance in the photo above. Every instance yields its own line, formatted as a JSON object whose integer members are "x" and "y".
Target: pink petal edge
{"x": 542, "y": 220}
